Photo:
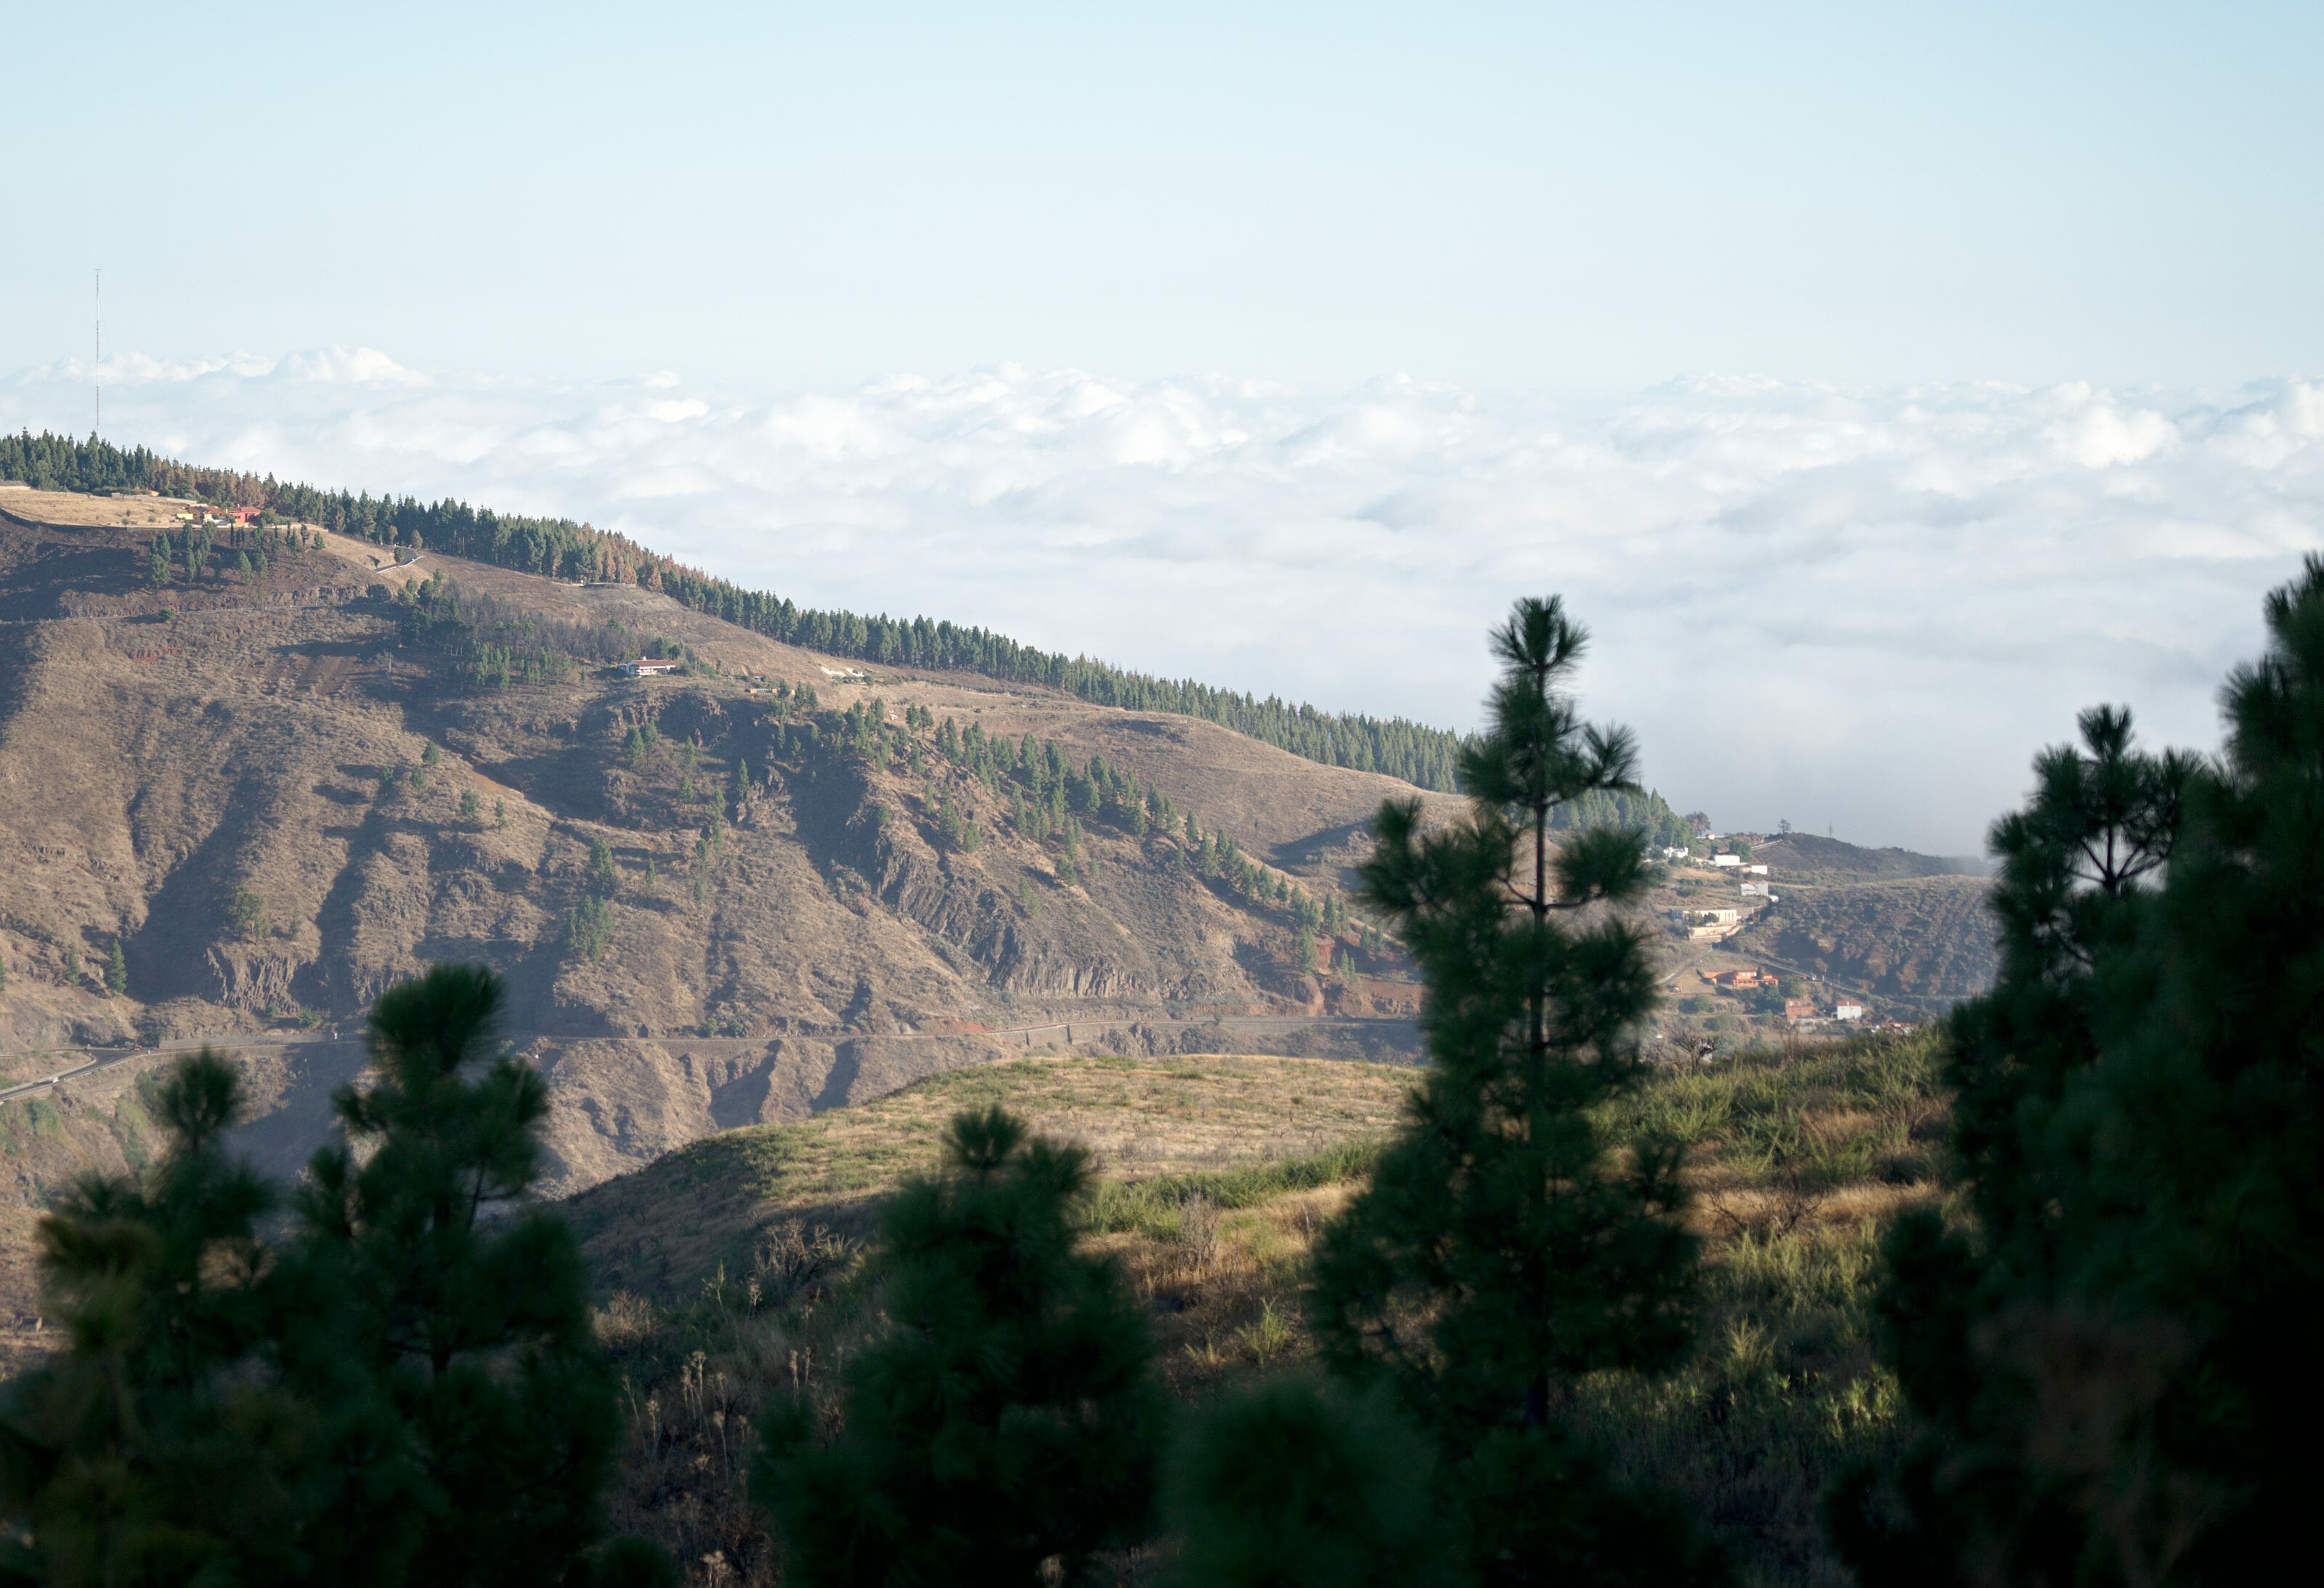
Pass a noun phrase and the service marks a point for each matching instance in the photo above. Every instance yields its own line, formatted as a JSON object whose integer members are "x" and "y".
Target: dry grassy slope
{"x": 663, "y": 1229}
{"x": 1797, "y": 1160}
{"x": 152, "y": 761}
{"x": 1287, "y": 810}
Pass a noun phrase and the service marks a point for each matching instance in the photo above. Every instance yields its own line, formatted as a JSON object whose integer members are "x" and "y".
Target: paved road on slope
{"x": 107, "y": 1059}
{"x": 1066, "y": 1032}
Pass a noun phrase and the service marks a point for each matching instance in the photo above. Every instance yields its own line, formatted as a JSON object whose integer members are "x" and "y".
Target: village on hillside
{"x": 1717, "y": 991}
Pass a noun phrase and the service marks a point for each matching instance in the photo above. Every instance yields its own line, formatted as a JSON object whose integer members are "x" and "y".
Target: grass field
{"x": 727, "y": 1268}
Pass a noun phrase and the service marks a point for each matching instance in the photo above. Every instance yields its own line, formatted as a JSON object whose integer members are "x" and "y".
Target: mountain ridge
{"x": 797, "y": 861}
{"x": 562, "y": 547}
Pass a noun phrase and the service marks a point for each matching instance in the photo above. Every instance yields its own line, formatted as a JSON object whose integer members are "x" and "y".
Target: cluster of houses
{"x": 1714, "y": 925}
{"x": 1797, "y": 1011}
{"x": 222, "y": 518}
{"x": 1754, "y": 885}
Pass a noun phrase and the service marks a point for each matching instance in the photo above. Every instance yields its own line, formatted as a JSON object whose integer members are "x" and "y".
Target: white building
{"x": 1757, "y": 870}
{"x": 1727, "y": 859}
{"x": 648, "y": 669}
{"x": 1848, "y": 1009}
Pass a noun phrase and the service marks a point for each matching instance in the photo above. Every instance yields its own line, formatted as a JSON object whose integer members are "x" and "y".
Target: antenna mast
{"x": 96, "y": 357}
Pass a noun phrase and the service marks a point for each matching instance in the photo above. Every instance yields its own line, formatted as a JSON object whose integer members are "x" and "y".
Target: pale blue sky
{"x": 1538, "y": 198}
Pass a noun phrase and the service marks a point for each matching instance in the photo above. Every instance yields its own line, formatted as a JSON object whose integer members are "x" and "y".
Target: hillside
{"x": 1927, "y": 940}
{"x": 774, "y": 884}
{"x": 560, "y": 549}
{"x": 1805, "y": 857}
{"x": 276, "y": 767}
{"x": 664, "y": 1230}
{"x": 725, "y": 1269}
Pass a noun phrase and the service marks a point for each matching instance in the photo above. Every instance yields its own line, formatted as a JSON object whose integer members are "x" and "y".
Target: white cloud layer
{"x": 1847, "y": 608}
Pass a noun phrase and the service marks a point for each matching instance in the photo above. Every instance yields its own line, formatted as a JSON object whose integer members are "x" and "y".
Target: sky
{"x": 1882, "y": 384}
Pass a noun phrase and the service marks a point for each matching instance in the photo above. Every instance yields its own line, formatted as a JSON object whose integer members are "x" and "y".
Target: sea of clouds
{"x": 1861, "y": 610}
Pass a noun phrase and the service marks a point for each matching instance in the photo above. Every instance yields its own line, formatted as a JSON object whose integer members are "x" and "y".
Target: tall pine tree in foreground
{"x": 402, "y": 1389}
{"x": 464, "y": 1310}
{"x": 2108, "y": 1348}
{"x": 1504, "y": 1247}
{"x": 1003, "y": 1426}
{"x": 155, "y": 1447}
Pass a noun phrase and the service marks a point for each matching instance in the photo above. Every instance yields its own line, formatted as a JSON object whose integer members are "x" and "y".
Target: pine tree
{"x": 72, "y": 964}
{"x": 1294, "y": 1484}
{"x": 395, "y": 1395}
{"x": 1503, "y": 1250}
{"x": 112, "y": 1451}
{"x": 471, "y": 1322}
{"x": 2105, "y": 1361}
{"x": 1010, "y": 1414}
{"x": 117, "y": 970}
